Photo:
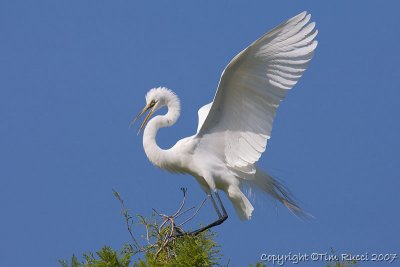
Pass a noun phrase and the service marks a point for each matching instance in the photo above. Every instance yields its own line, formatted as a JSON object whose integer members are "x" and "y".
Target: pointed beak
{"x": 146, "y": 108}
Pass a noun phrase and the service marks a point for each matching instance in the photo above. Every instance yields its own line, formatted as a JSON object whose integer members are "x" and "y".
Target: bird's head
{"x": 157, "y": 98}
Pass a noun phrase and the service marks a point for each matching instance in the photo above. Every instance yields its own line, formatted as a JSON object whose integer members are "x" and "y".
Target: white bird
{"x": 233, "y": 130}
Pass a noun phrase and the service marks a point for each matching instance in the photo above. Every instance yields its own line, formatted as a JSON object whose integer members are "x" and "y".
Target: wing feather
{"x": 203, "y": 112}
{"x": 238, "y": 123}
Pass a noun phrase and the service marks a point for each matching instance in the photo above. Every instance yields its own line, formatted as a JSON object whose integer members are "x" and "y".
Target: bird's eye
{"x": 152, "y": 103}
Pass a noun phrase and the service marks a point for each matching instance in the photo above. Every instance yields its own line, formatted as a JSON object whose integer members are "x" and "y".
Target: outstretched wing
{"x": 239, "y": 122}
{"x": 203, "y": 112}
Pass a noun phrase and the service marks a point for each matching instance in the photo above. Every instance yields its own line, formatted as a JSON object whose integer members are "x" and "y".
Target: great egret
{"x": 233, "y": 130}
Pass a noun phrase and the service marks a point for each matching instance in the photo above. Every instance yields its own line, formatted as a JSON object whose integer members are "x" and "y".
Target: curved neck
{"x": 158, "y": 156}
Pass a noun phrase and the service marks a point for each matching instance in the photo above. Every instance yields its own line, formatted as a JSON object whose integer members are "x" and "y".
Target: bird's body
{"x": 234, "y": 129}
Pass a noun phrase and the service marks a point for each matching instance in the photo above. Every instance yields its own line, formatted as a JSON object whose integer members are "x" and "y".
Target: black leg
{"x": 217, "y": 222}
{"x": 215, "y": 205}
{"x": 222, "y": 205}
{"x": 221, "y": 218}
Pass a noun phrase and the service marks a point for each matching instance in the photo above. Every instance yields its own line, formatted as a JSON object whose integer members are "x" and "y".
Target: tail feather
{"x": 278, "y": 191}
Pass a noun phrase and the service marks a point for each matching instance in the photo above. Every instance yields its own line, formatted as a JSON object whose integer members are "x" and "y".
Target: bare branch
{"x": 164, "y": 230}
{"x": 128, "y": 220}
{"x": 184, "y": 190}
{"x": 194, "y": 214}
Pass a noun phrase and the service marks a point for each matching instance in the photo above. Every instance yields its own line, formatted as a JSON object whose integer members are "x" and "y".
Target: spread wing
{"x": 239, "y": 122}
{"x": 203, "y": 112}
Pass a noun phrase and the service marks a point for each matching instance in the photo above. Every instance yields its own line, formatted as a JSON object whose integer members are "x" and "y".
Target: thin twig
{"x": 147, "y": 234}
{"x": 156, "y": 212}
{"x": 194, "y": 214}
{"x": 184, "y": 190}
{"x": 183, "y": 212}
{"x": 128, "y": 220}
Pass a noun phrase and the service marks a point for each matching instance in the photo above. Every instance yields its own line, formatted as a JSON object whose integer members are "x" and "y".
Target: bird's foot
{"x": 198, "y": 231}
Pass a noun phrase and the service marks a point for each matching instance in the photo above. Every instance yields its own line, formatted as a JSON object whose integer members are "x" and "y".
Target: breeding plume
{"x": 233, "y": 130}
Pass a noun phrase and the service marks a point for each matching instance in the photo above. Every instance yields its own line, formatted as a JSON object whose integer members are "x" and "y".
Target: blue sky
{"x": 74, "y": 73}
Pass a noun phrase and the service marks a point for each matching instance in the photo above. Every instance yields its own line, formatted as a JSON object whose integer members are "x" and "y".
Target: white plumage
{"x": 233, "y": 130}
